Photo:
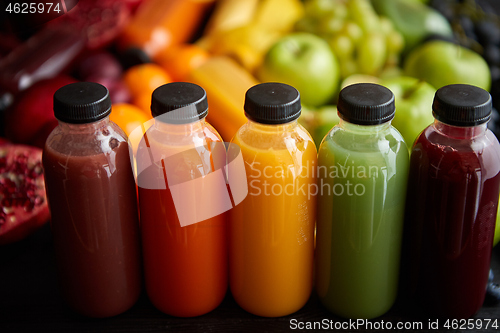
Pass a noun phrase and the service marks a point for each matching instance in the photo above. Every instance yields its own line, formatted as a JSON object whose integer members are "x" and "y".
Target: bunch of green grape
{"x": 363, "y": 42}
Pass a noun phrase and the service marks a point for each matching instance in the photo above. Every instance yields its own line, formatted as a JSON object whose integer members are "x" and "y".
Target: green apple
{"x": 327, "y": 117}
{"x": 319, "y": 121}
{"x": 358, "y": 78}
{"x": 414, "y": 99}
{"x": 305, "y": 61}
{"x": 442, "y": 63}
{"x": 413, "y": 19}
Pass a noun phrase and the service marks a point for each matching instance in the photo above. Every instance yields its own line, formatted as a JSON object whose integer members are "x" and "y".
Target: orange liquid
{"x": 185, "y": 267}
{"x": 272, "y": 235}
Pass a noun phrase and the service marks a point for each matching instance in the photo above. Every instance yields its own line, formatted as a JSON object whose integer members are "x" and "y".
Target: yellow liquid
{"x": 272, "y": 229}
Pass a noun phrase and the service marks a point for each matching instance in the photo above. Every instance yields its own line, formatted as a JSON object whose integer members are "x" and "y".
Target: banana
{"x": 278, "y": 15}
{"x": 246, "y": 44}
{"x": 245, "y": 29}
{"x": 230, "y": 14}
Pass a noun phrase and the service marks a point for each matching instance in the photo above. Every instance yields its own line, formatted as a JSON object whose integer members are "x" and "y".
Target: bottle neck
{"x": 458, "y": 132}
{"x": 84, "y": 128}
{"x": 180, "y": 129}
{"x": 364, "y": 129}
{"x": 273, "y": 128}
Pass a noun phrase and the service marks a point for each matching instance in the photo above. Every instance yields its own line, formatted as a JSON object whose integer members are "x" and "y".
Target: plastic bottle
{"x": 272, "y": 229}
{"x": 55, "y": 49}
{"x": 93, "y": 203}
{"x": 452, "y": 204}
{"x": 184, "y": 233}
{"x": 362, "y": 177}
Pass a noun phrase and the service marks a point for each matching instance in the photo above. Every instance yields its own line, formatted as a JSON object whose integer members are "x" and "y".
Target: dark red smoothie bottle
{"x": 452, "y": 202}
{"x": 92, "y": 200}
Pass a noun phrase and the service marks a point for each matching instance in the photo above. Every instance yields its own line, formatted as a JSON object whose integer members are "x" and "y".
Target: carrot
{"x": 159, "y": 24}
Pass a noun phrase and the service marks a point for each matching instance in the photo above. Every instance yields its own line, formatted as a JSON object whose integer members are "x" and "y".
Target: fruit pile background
{"x": 476, "y": 24}
{"x": 318, "y": 46}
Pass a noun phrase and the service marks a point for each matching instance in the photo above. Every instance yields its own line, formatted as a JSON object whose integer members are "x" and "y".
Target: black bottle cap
{"x": 81, "y": 102}
{"x": 366, "y": 104}
{"x": 179, "y": 103}
{"x": 272, "y": 103}
{"x": 462, "y": 105}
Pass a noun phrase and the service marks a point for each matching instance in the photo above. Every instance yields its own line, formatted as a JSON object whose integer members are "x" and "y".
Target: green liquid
{"x": 362, "y": 177}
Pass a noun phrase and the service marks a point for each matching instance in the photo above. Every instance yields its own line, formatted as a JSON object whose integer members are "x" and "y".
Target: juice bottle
{"x": 362, "y": 176}
{"x": 185, "y": 266}
{"x": 56, "y": 50}
{"x": 93, "y": 203}
{"x": 272, "y": 229}
{"x": 452, "y": 204}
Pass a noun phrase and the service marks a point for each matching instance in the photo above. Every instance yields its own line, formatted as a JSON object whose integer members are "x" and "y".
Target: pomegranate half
{"x": 22, "y": 192}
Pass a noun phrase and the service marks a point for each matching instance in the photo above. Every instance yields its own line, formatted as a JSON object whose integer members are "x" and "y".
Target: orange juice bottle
{"x": 182, "y": 194}
{"x": 271, "y": 232}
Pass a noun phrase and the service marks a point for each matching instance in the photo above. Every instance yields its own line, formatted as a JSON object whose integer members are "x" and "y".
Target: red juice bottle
{"x": 452, "y": 202}
{"x": 182, "y": 197}
{"x": 93, "y": 204}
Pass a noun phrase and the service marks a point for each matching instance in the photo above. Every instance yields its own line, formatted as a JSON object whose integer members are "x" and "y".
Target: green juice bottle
{"x": 362, "y": 177}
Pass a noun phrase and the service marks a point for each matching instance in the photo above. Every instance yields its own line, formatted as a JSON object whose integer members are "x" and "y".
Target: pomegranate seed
{"x": 38, "y": 169}
{"x": 21, "y": 158}
{"x": 28, "y": 205}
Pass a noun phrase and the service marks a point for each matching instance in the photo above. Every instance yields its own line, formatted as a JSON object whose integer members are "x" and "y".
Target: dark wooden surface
{"x": 30, "y": 302}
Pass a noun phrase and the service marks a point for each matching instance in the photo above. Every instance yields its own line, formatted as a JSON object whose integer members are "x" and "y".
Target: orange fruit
{"x": 144, "y": 78}
{"x": 132, "y": 121}
{"x": 181, "y": 59}
{"x": 143, "y": 102}
{"x": 128, "y": 117}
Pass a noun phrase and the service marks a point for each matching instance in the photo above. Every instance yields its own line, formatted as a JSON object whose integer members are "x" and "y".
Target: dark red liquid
{"x": 95, "y": 227}
{"x": 451, "y": 212}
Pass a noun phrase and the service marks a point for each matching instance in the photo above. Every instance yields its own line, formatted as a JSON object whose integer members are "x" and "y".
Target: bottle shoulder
{"x": 185, "y": 151}
{"x": 432, "y": 139}
{"x": 171, "y": 137}
{"x": 87, "y": 141}
{"x": 369, "y": 142}
{"x": 255, "y": 138}
{"x": 442, "y": 152}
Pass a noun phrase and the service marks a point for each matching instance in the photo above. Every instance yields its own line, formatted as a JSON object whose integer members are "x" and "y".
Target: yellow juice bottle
{"x": 271, "y": 232}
